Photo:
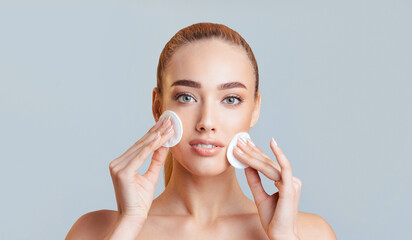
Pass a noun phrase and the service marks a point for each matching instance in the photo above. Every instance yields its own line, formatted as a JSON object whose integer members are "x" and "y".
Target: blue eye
{"x": 185, "y": 97}
{"x": 234, "y": 98}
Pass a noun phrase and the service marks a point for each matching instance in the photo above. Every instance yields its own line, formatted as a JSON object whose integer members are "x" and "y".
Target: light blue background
{"x": 75, "y": 93}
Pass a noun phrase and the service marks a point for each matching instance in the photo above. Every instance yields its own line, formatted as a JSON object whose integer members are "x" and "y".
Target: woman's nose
{"x": 207, "y": 119}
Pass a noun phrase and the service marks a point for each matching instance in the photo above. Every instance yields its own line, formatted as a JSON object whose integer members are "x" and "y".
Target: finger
{"x": 264, "y": 167}
{"x": 137, "y": 155}
{"x": 255, "y": 184}
{"x": 256, "y": 148}
{"x": 158, "y": 159}
{"x": 286, "y": 169}
{"x": 144, "y": 141}
{"x": 152, "y": 131}
{"x": 134, "y": 164}
{"x": 162, "y": 125}
{"x": 163, "y": 132}
{"x": 255, "y": 151}
{"x": 257, "y": 161}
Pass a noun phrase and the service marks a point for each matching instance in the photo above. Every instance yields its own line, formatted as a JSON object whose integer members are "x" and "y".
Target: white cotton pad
{"x": 177, "y": 127}
{"x": 230, "y": 157}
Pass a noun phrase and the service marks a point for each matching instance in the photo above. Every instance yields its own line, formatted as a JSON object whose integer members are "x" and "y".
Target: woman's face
{"x": 207, "y": 110}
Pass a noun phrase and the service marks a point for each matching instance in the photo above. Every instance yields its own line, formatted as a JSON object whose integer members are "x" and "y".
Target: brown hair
{"x": 192, "y": 33}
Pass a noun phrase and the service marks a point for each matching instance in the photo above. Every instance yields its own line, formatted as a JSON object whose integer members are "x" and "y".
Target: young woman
{"x": 207, "y": 75}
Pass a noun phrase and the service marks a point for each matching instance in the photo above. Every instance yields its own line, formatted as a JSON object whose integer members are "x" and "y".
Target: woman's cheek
{"x": 239, "y": 120}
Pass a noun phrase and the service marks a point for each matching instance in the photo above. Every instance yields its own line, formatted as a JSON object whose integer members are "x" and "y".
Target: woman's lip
{"x": 207, "y": 152}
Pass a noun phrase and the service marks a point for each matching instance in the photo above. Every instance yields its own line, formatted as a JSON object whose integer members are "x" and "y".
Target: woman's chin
{"x": 203, "y": 165}
{"x": 207, "y": 167}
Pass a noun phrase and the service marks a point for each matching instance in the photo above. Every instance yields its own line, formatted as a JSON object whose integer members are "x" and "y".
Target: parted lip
{"x": 206, "y": 141}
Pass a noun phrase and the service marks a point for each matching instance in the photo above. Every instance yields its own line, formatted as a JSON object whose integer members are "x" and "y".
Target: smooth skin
{"x": 203, "y": 199}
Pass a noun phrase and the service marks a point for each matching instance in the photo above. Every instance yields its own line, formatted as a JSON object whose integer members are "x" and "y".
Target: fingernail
{"x": 170, "y": 129}
{"x": 238, "y": 150}
{"x": 273, "y": 140}
{"x": 165, "y": 120}
{"x": 157, "y": 135}
{"x": 242, "y": 141}
{"x": 250, "y": 141}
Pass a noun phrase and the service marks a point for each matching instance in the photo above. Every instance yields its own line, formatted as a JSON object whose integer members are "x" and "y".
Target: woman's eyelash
{"x": 240, "y": 99}
{"x": 177, "y": 96}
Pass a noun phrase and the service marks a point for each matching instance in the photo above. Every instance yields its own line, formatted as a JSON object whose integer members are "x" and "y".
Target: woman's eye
{"x": 233, "y": 99}
{"x": 186, "y": 98}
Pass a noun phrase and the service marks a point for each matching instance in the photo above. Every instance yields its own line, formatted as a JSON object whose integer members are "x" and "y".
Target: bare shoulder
{"x": 93, "y": 225}
{"x": 313, "y": 226}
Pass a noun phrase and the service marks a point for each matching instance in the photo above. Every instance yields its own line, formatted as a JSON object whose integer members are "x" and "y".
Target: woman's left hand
{"x": 278, "y": 212}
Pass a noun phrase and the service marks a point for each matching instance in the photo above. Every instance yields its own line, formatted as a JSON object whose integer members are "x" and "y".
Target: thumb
{"x": 158, "y": 159}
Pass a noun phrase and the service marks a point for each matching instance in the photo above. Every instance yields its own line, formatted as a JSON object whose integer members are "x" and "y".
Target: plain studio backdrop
{"x": 76, "y": 88}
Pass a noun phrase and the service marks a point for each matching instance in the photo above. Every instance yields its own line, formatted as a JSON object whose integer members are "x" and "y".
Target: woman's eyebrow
{"x": 194, "y": 84}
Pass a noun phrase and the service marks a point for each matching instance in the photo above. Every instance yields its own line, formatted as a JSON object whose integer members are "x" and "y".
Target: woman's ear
{"x": 156, "y": 106}
{"x": 256, "y": 110}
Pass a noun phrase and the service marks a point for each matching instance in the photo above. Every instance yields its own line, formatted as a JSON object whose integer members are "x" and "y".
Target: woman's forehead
{"x": 210, "y": 64}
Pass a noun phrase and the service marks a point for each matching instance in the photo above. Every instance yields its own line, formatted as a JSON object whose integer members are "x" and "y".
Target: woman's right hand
{"x": 134, "y": 192}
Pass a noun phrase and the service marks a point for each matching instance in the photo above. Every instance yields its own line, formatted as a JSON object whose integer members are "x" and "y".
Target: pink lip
{"x": 206, "y": 141}
{"x": 206, "y": 152}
